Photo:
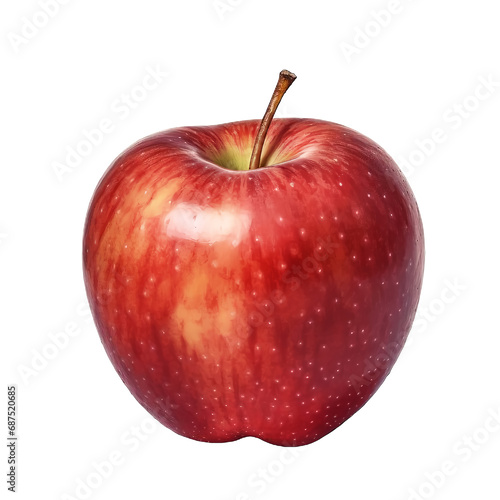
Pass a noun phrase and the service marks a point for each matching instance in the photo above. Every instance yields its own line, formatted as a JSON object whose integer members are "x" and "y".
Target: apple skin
{"x": 269, "y": 303}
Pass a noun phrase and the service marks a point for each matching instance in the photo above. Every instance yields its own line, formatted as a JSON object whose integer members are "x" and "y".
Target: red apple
{"x": 269, "y": 301}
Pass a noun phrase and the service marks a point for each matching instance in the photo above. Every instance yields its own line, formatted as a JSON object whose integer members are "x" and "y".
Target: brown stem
{"x": 285, "y": 80}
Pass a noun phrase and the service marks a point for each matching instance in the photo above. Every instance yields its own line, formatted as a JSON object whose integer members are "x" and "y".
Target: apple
{"x": 256, "y": 278}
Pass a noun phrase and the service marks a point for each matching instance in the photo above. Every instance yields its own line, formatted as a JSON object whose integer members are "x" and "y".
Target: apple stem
{"x": 285, "y": 80}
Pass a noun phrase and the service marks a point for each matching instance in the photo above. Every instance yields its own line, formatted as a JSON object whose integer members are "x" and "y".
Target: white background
{"x": 412, "y": 76}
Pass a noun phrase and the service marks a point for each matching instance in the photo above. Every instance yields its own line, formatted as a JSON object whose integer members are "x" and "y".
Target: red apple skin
{"x": 268, "y": 303}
